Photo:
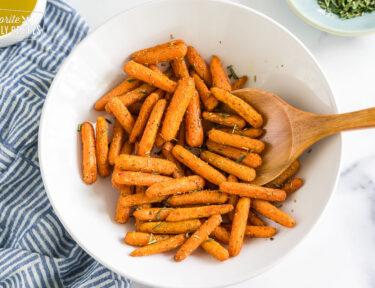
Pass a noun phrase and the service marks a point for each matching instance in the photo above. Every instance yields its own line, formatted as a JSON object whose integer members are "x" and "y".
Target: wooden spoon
{"x": 289, "y": 131}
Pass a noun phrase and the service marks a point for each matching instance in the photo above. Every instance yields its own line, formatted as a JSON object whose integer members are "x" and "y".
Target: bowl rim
{"x": 43, "y": 121}
{"x": 326, "y": 28}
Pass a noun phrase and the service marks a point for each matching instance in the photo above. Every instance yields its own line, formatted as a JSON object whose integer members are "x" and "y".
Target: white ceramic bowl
{"x": 254, "y": 45}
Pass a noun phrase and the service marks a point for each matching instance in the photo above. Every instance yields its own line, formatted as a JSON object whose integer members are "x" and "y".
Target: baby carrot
{"x": 180, "y": 214}
{"x": 149, "y": 76}
{"x": 197, "y": 165}
{"x": 136, "y": 95}
{"x": 122, "y": 114}
{"x": 197, "y": 238}
{"x": 138, "y": 178}
{"x": 240, "y": 156}
{"x": 102, "y": 147}
{"x": 151, "y": 129}
{"x": 237, "y": 141}
{"x": 144, "y": 164}
{"x": 221, "y": 234}
{"x": 187, "y": 226}
{"x": 215, "y": 249}
{"x": 89, "y": 167}
{"x": 143, "y": 239}
{"x": 175, "y": 186}
{"x": 194, "y": 134}
{"x": 200, "y": 197}
{"x": 240, "y": 106}
{"x": 180, "y": 68}
{"x": 240, "y": 82}
{"x": 116, "y": 143}
{"x": 292, "y": 185}
{"x": 122, "y": 212}
{"x": 224, "y": 119}
{"x": 143, "y": 116}
{"x": 161, "y": 246}
{"x": 232, "y": 198}
{"x": 254, "y": 219}
{"x": 152, "y": 214}
{"x": 167, "y": 153}
{"x": 253, "y": 191}
{"x": 140, "y": 199}
{"x": 161, "y": 53}
{"x": 243, "y": 172}
{"x": 270, "y": 211}
{"x": 288, "y": 173}
{"x": 199, "y": 65}
{"x": 238, "y": 226}
{"x": 140, "y": 190}
{"x": 219, "y": 77}
{"x": 125, "y": 86}
{"x": 248, "y": 132}
{"x": 260, "y": 231}
{"x": 209, "y": 101}
{"x": 177, "y": 108}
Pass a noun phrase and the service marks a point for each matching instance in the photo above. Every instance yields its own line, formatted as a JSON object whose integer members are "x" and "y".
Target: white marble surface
{"x": 340, "y": 251}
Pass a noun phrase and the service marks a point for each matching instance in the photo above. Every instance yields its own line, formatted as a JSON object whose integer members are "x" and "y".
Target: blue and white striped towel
{"x": 35, "y": 249}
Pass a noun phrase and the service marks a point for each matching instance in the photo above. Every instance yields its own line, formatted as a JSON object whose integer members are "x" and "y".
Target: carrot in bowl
{"x": 219, "y": 77}
{"x": 118, "y": 137}
{"x": 144, "y": 164}
{"x": 199, "y": 66}
{"x": 270, "y": 211}
{"x": 89, "y": 166}
{"x": 224, "y": 119}
{"x": 122, "y": 114}
{"x": 209, "y": 101}
{"x": 102, "y": 146}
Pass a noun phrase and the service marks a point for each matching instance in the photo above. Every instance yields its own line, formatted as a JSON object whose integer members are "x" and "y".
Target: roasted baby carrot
{"x": 240, "y": 106}
{"x": 122, "y": 212}
{"x": 152, "y": 214}
{"x": 167, "y": 153}
{"x": 232, "y": 198}
{"x": 260, "y": 231}
{"x": 240, "y": 156}
{"x": 215, "y": 249}
{"x": 125, "y": 86}
{"x": 180, "y": 214}
{"x": 89, "y": 167}
{"x": 143, "y": 116}
{"x": 144, "y": 164}
{"x": 193, "y": 242}
{"x": 161, "y": 53}
{"x": 161, "y": 246}
{"x": 240, "y": 82}
{"x": 270, "y": 211}
{"x": 209, "y": 101}
{"x": 219, "y": 77}
{"x": 187, "y": 226}
{"x": 199, "y": 65}
{"x": 253, "y": 191}
{"x": 238, "y": 141}
{"x": 175, "y": 186}
{"x": 243, "y": 172}
{"x": 127, "y": 148}
{"x": 199, "y": 197}
{"x": 151, "y": 129}
{"x": 194, "y": 134}
{"x": 254, "y": 219}
{"x": 224, "y": 119}
{"x": 238, "y": 226}
{"x": 248, "y": 132}
{"x": 114, "y": 183}
{"x": 135, "y": 95}
{"x": 288, "y": 173}
{"x": 140, "y": 199}
{"x": 149, "y": 76}
{"x": 197, "y": 165}
{"x": 118, "y": 137}
{"x": 177, "y": 108}
{"x": 122, "y": 114}
{"x": 138, "y": 178}
{"x": 102, "y": 147}
{"x": 221, "y": 234}
{"x": 143, "y": 239}
{"x": 180, "y": 68}
{"x": 292, "y": 185}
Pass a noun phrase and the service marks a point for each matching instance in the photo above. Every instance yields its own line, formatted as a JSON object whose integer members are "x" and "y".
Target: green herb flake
{"x": 108, "y": 121}
{"x": 239, "y": 160}
{"x": 225, "y": 115}
{"x": 106, "y": 132}
{"x": 255, "y": 78}
{"x": 131, "y": 80}
{"x": 152, "y": 242}
{"x": 220, "y": 193}
{"x": 277, "y": 185}
{"x": 251, "y": 151}
{"x": 155, "y": 173}
{"x": 157, "y": 226}
{"x": 209, "y": 240}
{"x": 158, "y": 214}
{"x": 151, "y": 212}
{"x": 79, "y": 127}
{"x": 234, "y": 129}
{"x": 143, "y": 91}
{"x": 232, "y": 73}
{"x": 271, "y": 238}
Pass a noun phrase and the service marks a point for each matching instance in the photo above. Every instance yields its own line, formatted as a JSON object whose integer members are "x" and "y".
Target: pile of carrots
{"x": 186, "y": 162}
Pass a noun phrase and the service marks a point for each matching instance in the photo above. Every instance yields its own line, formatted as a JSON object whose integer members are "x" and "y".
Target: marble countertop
{"x": 340, "y": 251}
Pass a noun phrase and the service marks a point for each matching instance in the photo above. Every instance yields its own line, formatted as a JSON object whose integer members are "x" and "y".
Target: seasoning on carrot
{"x": 162, "y": 246}
{"x": 198, "y": 197}
{"x": 240, "y": 82}
{"x": 292, "y": 185}
{"x": 180, "y": 214}
{"x": 102, "y": 147}
{"x": 152, "y": 214}
{"x": 138, "y": 178}
{"x": 187, "y": 226}
{"x": 260, "y": 231}
{"x": 199, "y": 66}
{"x": 140, "y": 199}
{"x": 118, "y": 137}
{"x": 248, "y": 132}
{"x": 219, "y": 77}
{"x": 238, "y": 226}
{"x": 127, "y": 148}
{"x": 270, "y": 211}
{"x": 122, "y": 212}
{"x": 144, "y": 164}
{"x": 180, "y": 68}
{"x": 254, "y": 219}
{"x": 215, "y": 249}
{"x": 232, "y": 197}
{"x": 135, "y": 95}
{"x": 224, "y": 119}
{"x": 194, "y": 134}
{"x": 209, "y": 101}
{"x": 122, "y": 114}
{"x": 143, "y": 239}
{"x": 89, "y": 166}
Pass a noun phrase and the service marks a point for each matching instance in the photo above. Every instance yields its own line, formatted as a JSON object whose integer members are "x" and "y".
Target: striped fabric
{"x": 35, "y": 249}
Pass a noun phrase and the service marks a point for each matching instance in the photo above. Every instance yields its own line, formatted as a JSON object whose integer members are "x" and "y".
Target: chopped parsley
{"x": 143, "y": 91}
{"x": 157, "y": 226}
{"x": 131, "y": 80}
{"x": 79, "y": 127}
{"x": 232, "y": 73}
{"x": 239, "y": 160}
{"x": 108, "y": 121}
{"x": 225, "y": 115}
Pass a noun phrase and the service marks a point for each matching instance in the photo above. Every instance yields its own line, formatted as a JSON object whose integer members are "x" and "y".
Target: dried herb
{"x": 131, "y": 80}
{"x": 108, "y": 121}
{"x": 347, "y": 9}
{"x": 239, "y": 160}
{"x": 157, "y": 226}
{"x": 79, "y": 127}
{"x": 232, "y": 73}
